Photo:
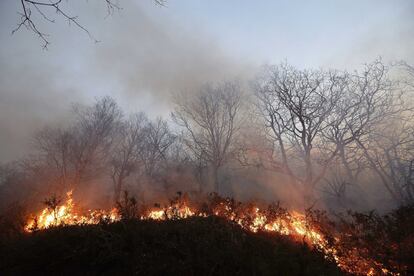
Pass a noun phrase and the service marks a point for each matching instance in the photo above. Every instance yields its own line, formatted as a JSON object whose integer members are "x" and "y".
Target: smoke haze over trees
{"x": 160, "y": 105}
{"x": 323, "y": 135}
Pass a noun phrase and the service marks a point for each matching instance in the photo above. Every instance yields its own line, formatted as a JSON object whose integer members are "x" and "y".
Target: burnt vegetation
{"x": 205, "y": 246}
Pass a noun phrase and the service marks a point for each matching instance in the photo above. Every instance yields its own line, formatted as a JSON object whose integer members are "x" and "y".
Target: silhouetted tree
{"x": 210, "y": 122}
{"x": 297, "y": 107}
{"x": 128, "y": 149}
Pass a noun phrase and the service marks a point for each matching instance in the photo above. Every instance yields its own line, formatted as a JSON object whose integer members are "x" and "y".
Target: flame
{"x": 156, "y": 215}
{"x": 292, "y": 224}
{"x": 170, "y": 213}
{"x": 65, "y": 215}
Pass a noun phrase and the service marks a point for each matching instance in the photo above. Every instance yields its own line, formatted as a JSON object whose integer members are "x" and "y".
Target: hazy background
{"x": 147, "y": 51}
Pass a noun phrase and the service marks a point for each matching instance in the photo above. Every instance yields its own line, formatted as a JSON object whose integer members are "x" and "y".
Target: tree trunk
{"x": 118, "y": 188}
{"x": 216, "y": 179}
{"x": 347, "y": 166}
{"x": 117, "y": 193}
{"x": 309, "y": 194}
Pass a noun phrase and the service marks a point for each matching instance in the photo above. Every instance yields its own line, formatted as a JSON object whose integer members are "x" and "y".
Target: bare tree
{"x": 365, "y": 103}
{"x": 336, "y": 185}
{"x": 375, "y": 105}
{"x": 297, "y": 107}
{"x": 390, "y": 153}
{"x": 158, "y": 140}
{"x": 129, "y": 147}
{"x": 80, "y": 151}
{"x": 54, "y": 147}
{"x": 210, "y": 122}
{"x": 317, "y": 118}
{"x": 93, "y": 137}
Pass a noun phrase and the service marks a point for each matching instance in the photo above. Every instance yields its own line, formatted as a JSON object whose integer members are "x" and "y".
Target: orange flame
{"x": 65, "y": 215}
{"x": 293, "y": 224}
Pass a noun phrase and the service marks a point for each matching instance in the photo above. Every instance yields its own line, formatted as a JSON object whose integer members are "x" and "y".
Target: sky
{"x": 147, "y": 52}
{"x": 307, "y": 33}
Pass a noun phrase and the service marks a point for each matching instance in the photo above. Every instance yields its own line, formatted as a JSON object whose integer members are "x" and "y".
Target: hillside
{"x": 202, "y": 246}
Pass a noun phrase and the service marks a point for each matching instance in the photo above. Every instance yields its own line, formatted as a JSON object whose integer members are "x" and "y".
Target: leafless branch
{"x": 45, "y": 7}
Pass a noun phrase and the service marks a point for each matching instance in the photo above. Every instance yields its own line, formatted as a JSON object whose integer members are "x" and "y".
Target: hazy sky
{"x": 147, "y": 51}
{"x": 306, "y": 33}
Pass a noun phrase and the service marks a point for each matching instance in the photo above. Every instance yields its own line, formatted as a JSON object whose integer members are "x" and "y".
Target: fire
{"x": 65, "y": 215}
{"x": 170, "y": 213}
{"x": 253, "y": 219}
{"x": 156, "y": 215}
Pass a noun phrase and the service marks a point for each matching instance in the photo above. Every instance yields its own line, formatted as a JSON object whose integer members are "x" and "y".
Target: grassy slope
{"x": 202, "y": 246}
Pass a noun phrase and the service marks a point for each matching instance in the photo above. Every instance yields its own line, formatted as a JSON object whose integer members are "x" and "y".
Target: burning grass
{"x": 353, "y": 244}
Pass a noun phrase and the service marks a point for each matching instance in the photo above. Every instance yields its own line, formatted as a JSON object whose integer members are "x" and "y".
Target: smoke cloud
{"x": 140, "y": 60}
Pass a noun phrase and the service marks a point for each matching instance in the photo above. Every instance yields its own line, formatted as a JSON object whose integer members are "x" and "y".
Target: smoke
{"x": 389, "y": 36}
{"x": 155, "y": 58}
{"x": 30, "y": 99}
{"x": 143, "y": 55}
